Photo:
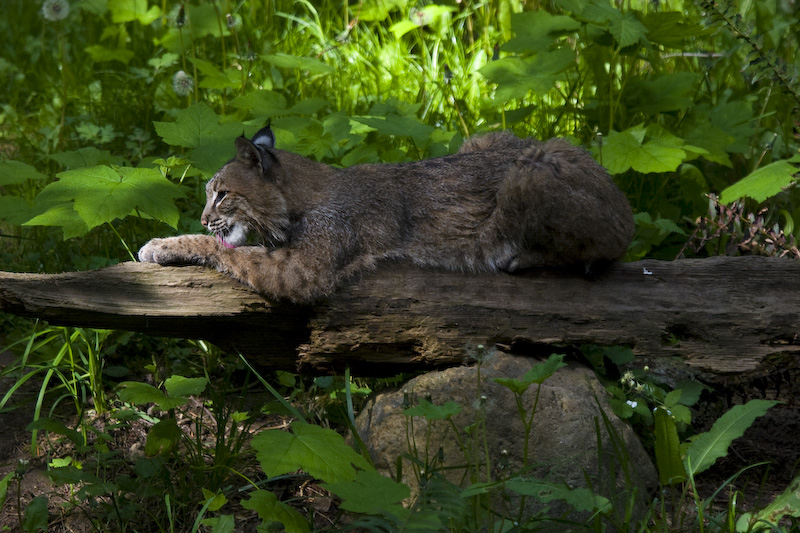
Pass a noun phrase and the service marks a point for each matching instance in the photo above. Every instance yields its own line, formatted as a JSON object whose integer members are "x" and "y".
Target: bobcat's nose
{"x": 204, "y": 221}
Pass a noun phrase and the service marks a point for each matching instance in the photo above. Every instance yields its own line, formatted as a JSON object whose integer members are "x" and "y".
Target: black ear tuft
{"x": 264, "y": 138}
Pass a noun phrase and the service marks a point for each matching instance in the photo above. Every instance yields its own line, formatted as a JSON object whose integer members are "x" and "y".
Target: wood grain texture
{"x": 720, "y": 316}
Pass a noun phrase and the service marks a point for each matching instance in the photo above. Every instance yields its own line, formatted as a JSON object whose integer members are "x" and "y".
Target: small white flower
{"x": 55, "y": 10}
{"x": 632, "y": 404}
{"x": 182, "y": 83}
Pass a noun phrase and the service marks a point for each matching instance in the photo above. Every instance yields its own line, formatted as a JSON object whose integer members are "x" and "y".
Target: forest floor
{"x": 773, "y": 439}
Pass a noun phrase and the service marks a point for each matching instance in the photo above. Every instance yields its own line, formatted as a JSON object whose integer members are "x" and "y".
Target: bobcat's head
{"x": 244, "y": 198}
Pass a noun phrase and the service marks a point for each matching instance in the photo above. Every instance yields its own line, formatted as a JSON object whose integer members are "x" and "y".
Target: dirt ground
{"x": 773, "y": 438}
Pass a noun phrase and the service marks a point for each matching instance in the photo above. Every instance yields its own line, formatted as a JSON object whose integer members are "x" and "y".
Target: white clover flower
{"x": 632, "y": 403}
{"x": 182, "y": 83}
{"x": 55, "y": 10}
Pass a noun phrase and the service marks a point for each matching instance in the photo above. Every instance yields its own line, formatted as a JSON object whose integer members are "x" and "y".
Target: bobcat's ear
{"x": 264, "y": 138}
{"x": 257, "y": 151}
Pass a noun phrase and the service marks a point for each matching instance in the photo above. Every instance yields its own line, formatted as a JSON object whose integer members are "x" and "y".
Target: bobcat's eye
{"x": 220, "y": 196}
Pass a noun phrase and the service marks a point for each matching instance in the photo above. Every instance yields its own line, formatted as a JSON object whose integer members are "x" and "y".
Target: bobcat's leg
{"x": 283, "y": 273}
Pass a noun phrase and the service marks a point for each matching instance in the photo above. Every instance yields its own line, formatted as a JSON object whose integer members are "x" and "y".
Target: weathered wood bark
{"x": 721, "y": 316}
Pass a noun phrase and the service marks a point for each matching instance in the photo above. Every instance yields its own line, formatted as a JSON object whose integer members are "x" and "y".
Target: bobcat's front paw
{"x": 183, "y": 250}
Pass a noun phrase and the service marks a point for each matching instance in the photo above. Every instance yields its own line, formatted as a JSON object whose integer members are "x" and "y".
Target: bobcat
{"x": 501, "y": 203}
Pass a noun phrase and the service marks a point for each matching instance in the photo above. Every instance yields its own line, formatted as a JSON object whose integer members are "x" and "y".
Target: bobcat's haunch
{"x": 500, "y": 203}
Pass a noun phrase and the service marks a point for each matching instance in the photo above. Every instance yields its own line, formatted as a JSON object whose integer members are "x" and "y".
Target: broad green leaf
{"x": 102, "y": 194}
{"x": 713, "y": 444}
{"x": 401, "y": 126}
{"x": 672, "y": 398}
{"x": 218, "y": 499}
{"x": 671, "y": 28}
{"x": 133, "y": 10}
{"x": 690, "y": 391}
{"x": 163, "y": 438}
{"x": 318, "y": 451}
{"x": 668, "y": 92}
{"x": 13, "y": 172}
{"x": 198, "y": 127}
{"x": 190, "y": 127}
{"x": 582, "y": 499}
{"x": 433, "y": 412}
{"x": 261, "y": 103}
{"x": 269, "y": 509}
{"x": 88, "y": 156}
{"x": 761, "y": 184}
{"x": 309, "y": 64}
{"x": 537, "y": 30}
{"x": 630, "y": 149}
{"x": 369, "y": 493}
{"x": 4, "y": 488}
{"x": 60, "y": 214}
{"x": 138, "y": 393}
{"x": 667, "y": 448}
{"x": 180, "y": 386}
{"x": 516, "y": 77}
{"x": 16, "y": 210}
{"x": 214, "y": 78}
{"x": 101, "y": 54}
{"x": 627, "y": 29}
{"x": 54, "y": 426}
{"x": 785, "y": 504}
{"x": 537, "y": 374}
{"x": 36, "y": 516}
{"x": 541, "y": 371}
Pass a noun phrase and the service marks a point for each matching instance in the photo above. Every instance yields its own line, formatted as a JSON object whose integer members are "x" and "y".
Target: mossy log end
{"x": 721, "y": 316}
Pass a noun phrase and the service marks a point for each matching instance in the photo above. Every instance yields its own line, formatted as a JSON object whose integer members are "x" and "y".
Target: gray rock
{"x": 562, "y": 447}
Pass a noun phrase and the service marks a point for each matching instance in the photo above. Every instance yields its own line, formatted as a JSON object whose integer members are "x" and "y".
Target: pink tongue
{"x": 224, "y": 243}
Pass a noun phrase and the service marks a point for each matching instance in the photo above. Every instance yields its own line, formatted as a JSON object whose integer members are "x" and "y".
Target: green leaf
{"x": 218, "y": 499}
{"x": 671, "y": 28}
{"x": 88, "y": 156}
{"x": 667, "y": 448}
{"x": 60, "y": 214}
{"x": 261, "y": 103}
{"x": 101, "y": 54}
{"x": 54, "y": 426}
{"x": 785, "y": 504}
{"x": 269, "y": 509}
{"x": 180, "y": 386}
{"x": 16, "y": 210}
{"x": 536, "y": 31}
{"x": 138, "y": 393}
{"x": 690, "y": 391}
{"x": 133, "y": 10}
{"x": 309, "y": 64}
{"x": 630, "y": 150}
{"x": 102, "y": 194}
{"x": 668, "y": 92}
{"x": 582, "y": 499}
{"x": 318, "y": 451}
{"x": 213, "y": 77}
{"x": 761, "y": 184}
{"x": 163, "y": 438}
{"x": 400, "y": 126}
{"x": 36, "y": 515}
{"x": 433, "y": 412}
{"x": 713, "y": 444}
{"x": 198, "y": 127}
{"x": 13, "y": 172}
{"x": 537, "y": 374}
{"x": 369, "y": 493}
{"x": 627, "y": 29}
{"x": 541, "y": 371}
{"x": 516, "y": 77}
{"x": 4, "y": 488}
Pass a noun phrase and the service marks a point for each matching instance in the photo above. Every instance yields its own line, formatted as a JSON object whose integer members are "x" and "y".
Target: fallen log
{"x": 718, "y": 317}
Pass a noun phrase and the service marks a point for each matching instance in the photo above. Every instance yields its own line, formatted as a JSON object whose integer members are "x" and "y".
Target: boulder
{"x": 563, "y": 441}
